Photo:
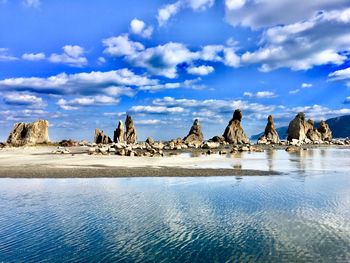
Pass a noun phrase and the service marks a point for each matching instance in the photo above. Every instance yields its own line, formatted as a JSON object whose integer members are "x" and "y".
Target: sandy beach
{"x": 39, "y": 162}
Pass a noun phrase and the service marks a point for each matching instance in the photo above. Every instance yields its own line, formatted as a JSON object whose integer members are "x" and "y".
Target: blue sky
{"x": 85, "y": 64}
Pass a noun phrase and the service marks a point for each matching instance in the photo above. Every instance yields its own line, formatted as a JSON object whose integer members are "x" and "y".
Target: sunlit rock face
{"x": 130, "y": 136}
{"x": 270, "y": 134}
{"x": 29, "y": 133}
{"x": 234, "y": 132}
{"x": 119, "y": 133}
{"x": 101, "y": 137}
{"x": 195, "y": 135}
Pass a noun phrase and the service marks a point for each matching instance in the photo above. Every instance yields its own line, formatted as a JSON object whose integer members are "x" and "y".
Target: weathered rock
{"x": 119, "y": 133}
{"x": 195, "y": 134}
{"x": 130, "y": 136}
{"x": 325, "y": 131}
{"x": 101, "y": 138}
{"x": 29, "y": 133}
{"x": 291, "y": 149}
{"x": 299, "y": 127}
{"x": 270, "y": 134}
{"x": 68, "y": 143}
{"x": 219, "y": 139}
{"x": 150, "y": 141}
{"x": 210, "y": 145}
{"x": 92, "y": 151}
{"x": 234, "y": 132}
{"x": 314, "y": 135}
{"x": 61, "y": 150}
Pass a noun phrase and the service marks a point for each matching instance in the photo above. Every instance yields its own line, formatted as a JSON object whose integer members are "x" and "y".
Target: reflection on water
{"x": 221, "y": 219}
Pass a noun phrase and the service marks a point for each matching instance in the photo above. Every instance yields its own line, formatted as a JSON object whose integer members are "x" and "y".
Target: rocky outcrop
{"x": 299, "y": 127}
{"x": 29, "y": 133}
{"x": 325, "y": 131}
{"x": 130, "y": 136}
{"x": 270, "y": 134}
{"x": 150, "y": 141}
{"x": 119, "y": 133}
{"x": 101, "y": 138}
{"x": 195, "y": 136}
{"x": 234, "y": 132}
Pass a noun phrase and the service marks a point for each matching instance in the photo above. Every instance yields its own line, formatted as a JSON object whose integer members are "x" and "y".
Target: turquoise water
{"x": 297, "y": 217}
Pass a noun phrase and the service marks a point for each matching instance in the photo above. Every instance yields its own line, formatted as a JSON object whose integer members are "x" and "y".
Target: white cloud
{"x": 201, "y": 70}
{"x": 149, "y": 122}
{"x": 72, "y": 56}
{"x": 86, "y": 101}
{"x": 347, "y": 100}
{"x": 266, "y": 13}
{"x": 342, "y": 74}
{"x": 101, "y": 60}
{"x": 295, "y": 91}
{"x": 318, "y": 41}
{"x": 33, "y": 56}
{"x": 121, "y": 46}
{"x": 306, "y": 85}
{"x": 32, "y": 3}
{"x": 156, "y": 110}
{"x": 260, "y": 94}
{"x": 170, "y": 10}
{"x": 5, "y": 56}
{"x": 23, "y": 99}
{"x": 80, "y": 83}
{"x": 138, "y": 27}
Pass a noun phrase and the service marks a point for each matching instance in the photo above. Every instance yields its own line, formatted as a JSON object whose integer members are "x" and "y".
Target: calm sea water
{"x": 302, "y": 216}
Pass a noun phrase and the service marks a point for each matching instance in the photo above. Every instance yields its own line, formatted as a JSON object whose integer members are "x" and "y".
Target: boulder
{"x": 195, "y": 135}
{"x": 119, "y": 133}
{"x": 68, "y": 143}
{"x": 101, "y": 138}
{"x": 150, "y": 141}
{"x": 234, "y": 132}
{"x": 299, "y": 127}
{"x": 29, "y": 133}
{"x": 219, "y": 139}
{"x": 130, "y": 135}
{"x": 270, "y": 134}
{"x": 325, "y": 131}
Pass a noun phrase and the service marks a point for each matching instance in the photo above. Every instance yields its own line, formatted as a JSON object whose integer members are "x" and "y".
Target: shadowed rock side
{"x": 130, "y": 136}
{"x": 270, "y": 134}
{"x": 119, "y": 133}
{"x": 101, "y": 138}
{"x": 29, "y": 133}
{"x": 325, "y": 131}
{"x": 234, "y": 132}
{"x": 195, "y": 136}
{"x": 299, "y": 127}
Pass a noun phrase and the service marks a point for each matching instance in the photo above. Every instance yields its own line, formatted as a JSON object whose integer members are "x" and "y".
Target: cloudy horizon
{"x": 85, "y": 65}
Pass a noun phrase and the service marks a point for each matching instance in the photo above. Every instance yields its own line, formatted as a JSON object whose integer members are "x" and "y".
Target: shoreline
{"x": 125, "y": 172}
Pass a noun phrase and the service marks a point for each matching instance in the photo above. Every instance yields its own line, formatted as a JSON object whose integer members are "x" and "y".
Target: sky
{"x": 86, "y": 64}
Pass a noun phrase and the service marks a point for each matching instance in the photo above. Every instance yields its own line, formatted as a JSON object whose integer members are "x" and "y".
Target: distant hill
{"x": 340, "y": 127}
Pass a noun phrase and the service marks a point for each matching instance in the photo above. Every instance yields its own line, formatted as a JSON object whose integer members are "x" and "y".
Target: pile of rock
{"x": 61, "y": 150}
{"x": 101, "y": 137}
{"x": 302, "y": 131}
{"x": 29, "y": 133}
{"x": 195, "y": 136}
{"x": 270, "y": 135}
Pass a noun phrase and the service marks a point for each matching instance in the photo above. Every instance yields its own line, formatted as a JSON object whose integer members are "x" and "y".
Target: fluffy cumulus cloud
{"x": 164, "y": 59}
{"x": 170, "y": 10}
{"x": 33, "y": 56}
{"x": 151, "y": 109}
{"x": 74, "y": 104}
{"x": 94, "y": 82}
{"x": 306, "y": 85}
{"x": 321, "y": 39}
{"x": 201, "y": 70}
{"x": 341, "y": 74}
{"x": 23, "y": 99}
{"x": 260, "y": 95}
{"x": 139, "y": 27}
{"x": 71, "y": 56}
{"x": 267, "y": 13}
{"x": 121, "y": 46}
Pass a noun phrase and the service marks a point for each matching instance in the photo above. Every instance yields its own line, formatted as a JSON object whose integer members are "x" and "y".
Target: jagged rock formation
{"x": 299, "y": 127}
{"x": 234, "y": 132}
{"x": 325, "y": 131}
{"x": 150, "y": 141}
{"x": 29, "y": 133}
{"x": 130, "y": 136}
{"x": 101, "y": 138}
{"x": 270, "y": 134}
{"x": 119, "y": 133}
{"x": 195, "y": 136}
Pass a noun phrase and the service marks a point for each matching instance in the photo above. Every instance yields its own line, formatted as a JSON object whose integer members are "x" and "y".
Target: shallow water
{"x": 301, "y": 216}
